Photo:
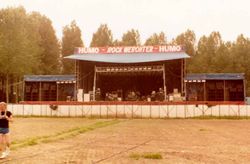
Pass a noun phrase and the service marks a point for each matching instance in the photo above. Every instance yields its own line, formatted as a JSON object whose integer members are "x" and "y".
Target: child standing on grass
{"x": 5, "y": 118}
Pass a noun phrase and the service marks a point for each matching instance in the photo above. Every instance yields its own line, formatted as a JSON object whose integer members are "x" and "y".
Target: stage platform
{"x": 134, "y": 103}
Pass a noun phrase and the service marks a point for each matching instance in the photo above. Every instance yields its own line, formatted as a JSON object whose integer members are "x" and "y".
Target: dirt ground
{"x": 23, "y": 128}
{"x": 177, "y": 140}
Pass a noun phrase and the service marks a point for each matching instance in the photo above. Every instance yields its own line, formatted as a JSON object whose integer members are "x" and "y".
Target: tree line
{"x": 28, "y": 45}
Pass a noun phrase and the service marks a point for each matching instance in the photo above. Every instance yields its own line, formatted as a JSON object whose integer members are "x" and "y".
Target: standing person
{"x": 5, "y": 118}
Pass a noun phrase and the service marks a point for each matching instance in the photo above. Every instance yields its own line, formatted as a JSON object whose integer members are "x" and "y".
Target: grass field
{"x": 76, "y": 140}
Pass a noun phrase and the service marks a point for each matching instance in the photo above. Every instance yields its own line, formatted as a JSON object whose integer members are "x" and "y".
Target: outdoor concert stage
{"x": 130, "y": 73}
{"x": 134, "y": 75}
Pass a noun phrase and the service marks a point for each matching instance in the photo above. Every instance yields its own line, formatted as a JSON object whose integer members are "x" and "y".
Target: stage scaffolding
{"x": 129, "y": 69}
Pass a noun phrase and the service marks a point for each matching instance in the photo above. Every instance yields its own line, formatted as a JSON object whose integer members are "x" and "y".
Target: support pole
{"x": 23, "y": 94}
{"x": 244, "y": 87}
{"x": 204, "y": 86}
{"x": 94, "y": 85}
{"x": 40, "y": 91}
{"x": 57, "y": 91}
{"x": 164, "y": 83}
{"x": 224, "y": 89}
{"x": 75, "y": 86}
{"x": 182, "y": 75}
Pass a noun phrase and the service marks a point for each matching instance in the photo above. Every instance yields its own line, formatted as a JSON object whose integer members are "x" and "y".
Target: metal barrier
{"x": 131, "y": 110}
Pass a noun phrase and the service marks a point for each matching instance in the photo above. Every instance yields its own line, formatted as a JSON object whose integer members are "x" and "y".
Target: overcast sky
{"x": 229, "y": 17}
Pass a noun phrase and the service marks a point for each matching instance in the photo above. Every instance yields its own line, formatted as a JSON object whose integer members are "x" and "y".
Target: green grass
{"x": 137, "y": 156}
{"x": 61, "y": 135}
{"x": 152, "y": 156}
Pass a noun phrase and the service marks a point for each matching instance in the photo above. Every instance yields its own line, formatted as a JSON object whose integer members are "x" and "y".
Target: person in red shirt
{"x": 5, "y": 118}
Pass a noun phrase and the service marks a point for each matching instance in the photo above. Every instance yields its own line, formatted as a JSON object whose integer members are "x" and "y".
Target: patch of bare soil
{"x": 178, "y": 141}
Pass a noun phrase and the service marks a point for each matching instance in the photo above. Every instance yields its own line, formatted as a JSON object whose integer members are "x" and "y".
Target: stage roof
{"x": 215, "y": 76}
{"x": 129, "y": 58}
{"x": 49, "y": 78}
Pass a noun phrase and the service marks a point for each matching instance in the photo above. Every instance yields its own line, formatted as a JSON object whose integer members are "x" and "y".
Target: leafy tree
{"x": 156, "y": 39}
{"x": 102, "y": 37}
{"x": 240, "y": 58}
{"x": 222, "y": 60}
{"x": 206, "y": 54}
{"x": 187, "y": 39}
{"x": 50, "y": 56}
{"x": 19, "y": 46}
{"x": 117, "y": 43}
{"x": 131, "y": 38}
{"x": 71, "y": 39}
{"x": 240, "y": 54}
